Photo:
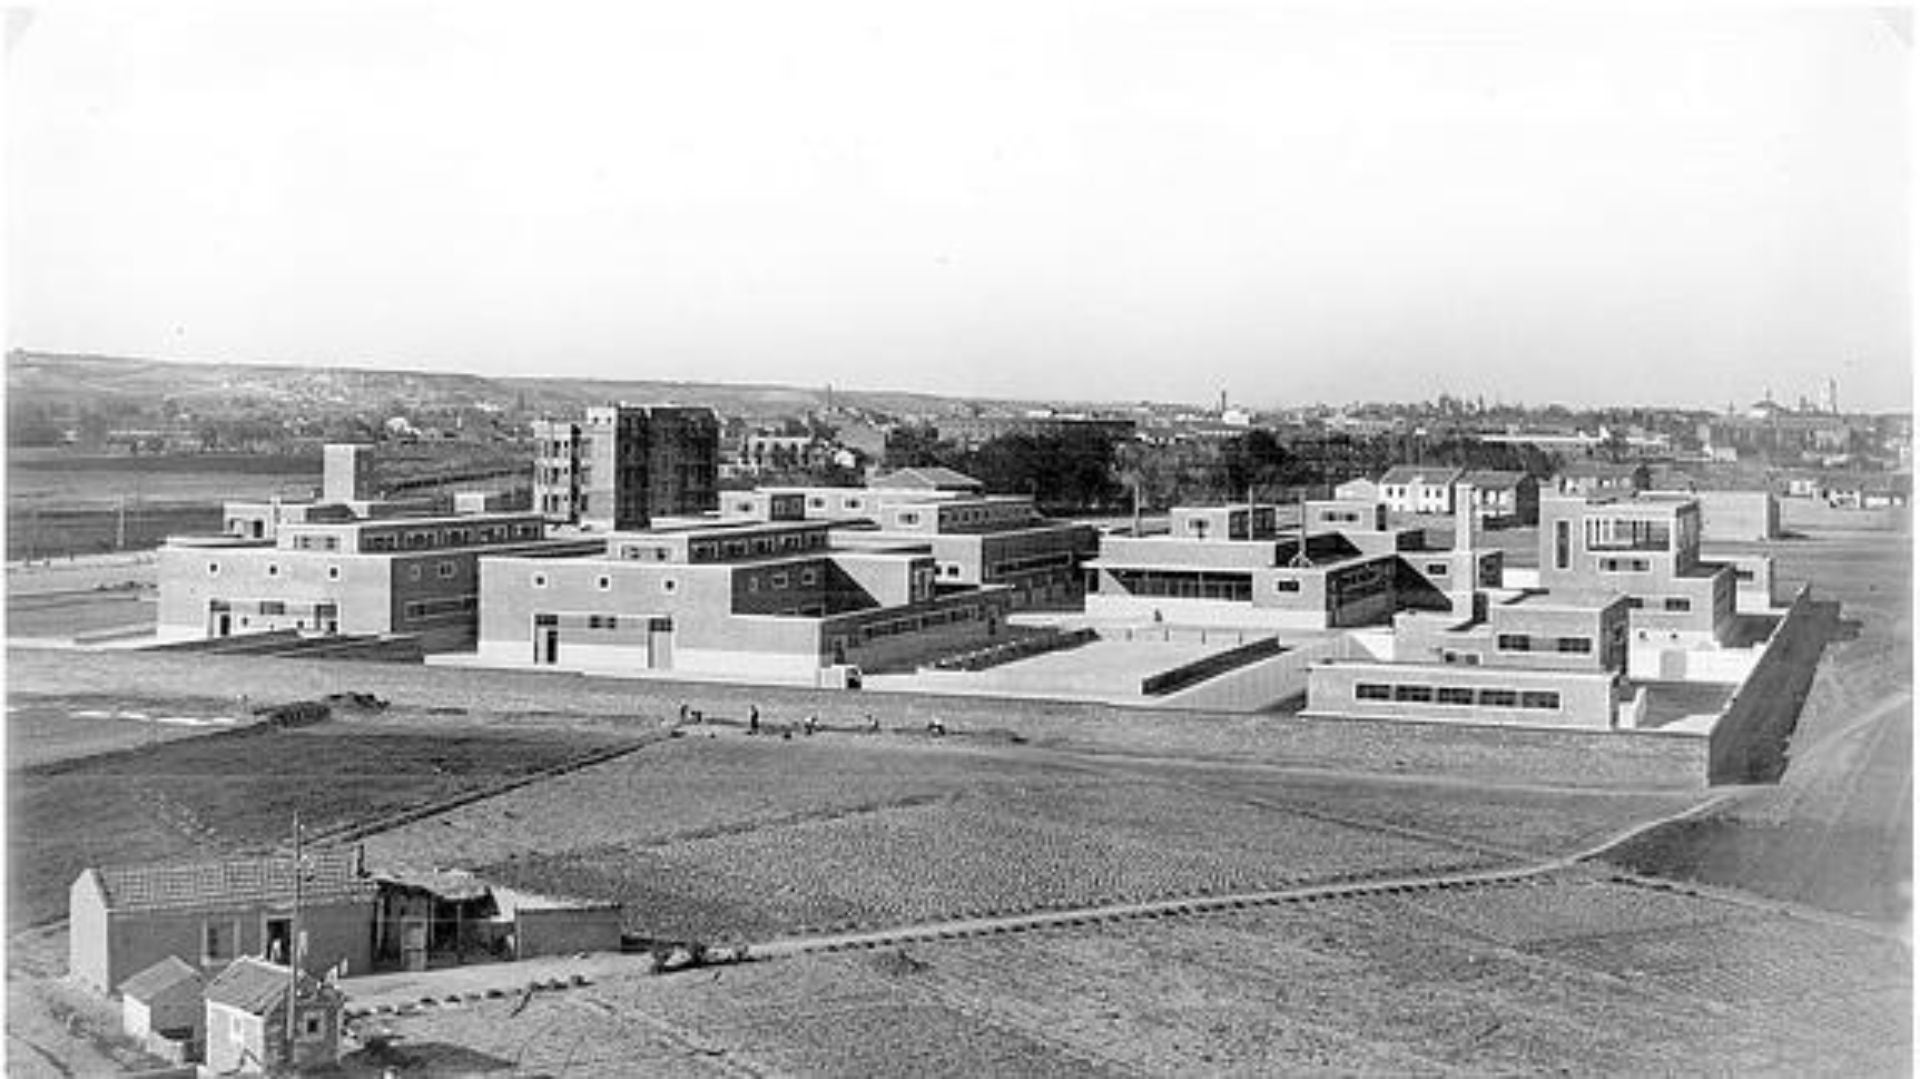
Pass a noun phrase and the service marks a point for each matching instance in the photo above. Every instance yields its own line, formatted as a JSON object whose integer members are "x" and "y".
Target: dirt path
{"x": 783, "y": 947}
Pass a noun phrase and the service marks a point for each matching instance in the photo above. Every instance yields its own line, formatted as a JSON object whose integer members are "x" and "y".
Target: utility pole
{"x": 293, "y": 947}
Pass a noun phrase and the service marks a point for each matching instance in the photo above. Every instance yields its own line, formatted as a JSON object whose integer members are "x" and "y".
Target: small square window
{"x": 213, "y": 569}
{"x": 539, "y": 580}
{"x": 333, "y": 573}
{"x": 273, "y": 570}
{"x": 669, "y": 585}
{"x": 603, "y": 583}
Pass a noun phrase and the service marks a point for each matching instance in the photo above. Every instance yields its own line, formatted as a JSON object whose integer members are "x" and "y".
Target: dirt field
{"x": 235, "y": 790}
{"x": 737, "y": 837}
{"x": 1574, "y": 974}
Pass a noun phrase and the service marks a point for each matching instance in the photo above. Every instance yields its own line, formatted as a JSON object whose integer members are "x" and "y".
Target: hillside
{"x": 70, "y": 383}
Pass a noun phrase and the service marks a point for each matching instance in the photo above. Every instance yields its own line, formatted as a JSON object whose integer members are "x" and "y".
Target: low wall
{"x": 1749, "y": 743}
{"x": 1263, "y": 683}
{"x": 1192, "y": 674}
{"x": 1491, "y": 755}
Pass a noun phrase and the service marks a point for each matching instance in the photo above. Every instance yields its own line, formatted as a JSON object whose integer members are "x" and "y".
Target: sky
{"x": 1114, "y": 200}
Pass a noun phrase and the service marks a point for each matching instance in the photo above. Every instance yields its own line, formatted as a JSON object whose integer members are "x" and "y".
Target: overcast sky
{"x": 1114, "y": 199}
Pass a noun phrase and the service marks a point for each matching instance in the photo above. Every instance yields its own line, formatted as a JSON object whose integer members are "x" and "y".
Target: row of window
{"x": 1052, "y": 560}
{"x": 460, "y": 536}
{"x": 272, "y": 569}
{"x": 433, "y": 608}
{"x": 780, "y": 581}
{"x": 783, "y": 543}
{"x": 1675, "y": 604}
{"x": 915, "y": 623}
{"x": 604, "y": 583}
{"x": 1521, "y": 642}
{"x": 1624, "y": 565}
{"x": 1461, "y": 696}
{"x": 1627, "y": 534}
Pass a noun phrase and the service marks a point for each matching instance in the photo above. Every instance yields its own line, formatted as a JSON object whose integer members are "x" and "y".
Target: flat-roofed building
{"x": 975, "y": 540}
{"x": 775, "y": 599}
{"x": 1234, "y": 566}
{"x": 343, "y": 568}
{"x": 1646, "y": 547}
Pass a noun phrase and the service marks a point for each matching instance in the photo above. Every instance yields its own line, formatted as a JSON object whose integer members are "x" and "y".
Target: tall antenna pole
{"x": 293, "y": 946}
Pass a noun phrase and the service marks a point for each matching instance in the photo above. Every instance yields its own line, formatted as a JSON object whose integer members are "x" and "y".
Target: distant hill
{"x": 112, "y": 383}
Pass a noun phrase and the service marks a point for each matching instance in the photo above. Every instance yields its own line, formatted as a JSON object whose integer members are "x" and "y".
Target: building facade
{"x": 622, "y": 465}
{"x": 247, "y": 1028}
{"x": 1419, "y": 489}
{"x": 1647, "y": 548}
{"x": 124, "y": 919}
{"x": 1503, "y": 497}
{"x": 744, "y": 598}
{"x": 975, "y": 540}
{"x": 1237, "y": 566}
{"x": 342, "y": 575}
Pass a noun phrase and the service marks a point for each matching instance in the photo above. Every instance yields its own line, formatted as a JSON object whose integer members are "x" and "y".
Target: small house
{"x": 164, "y": 1008}
{"x": 1419, "y": 489}
{"x": 1503, "y": 497}
{"x": 246, "y": 1019}
{"x": 124, "y": 919}
{"x": 1590, "y": 478}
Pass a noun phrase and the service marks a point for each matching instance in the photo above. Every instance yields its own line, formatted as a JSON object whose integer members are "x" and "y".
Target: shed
{"x": 557, "y": 925}
{"x": 246, "y": 1019}
{"x": 165, "y": 1000}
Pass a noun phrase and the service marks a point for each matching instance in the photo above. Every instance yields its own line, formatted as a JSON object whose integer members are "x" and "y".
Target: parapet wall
{"x": 1490, "y": 754}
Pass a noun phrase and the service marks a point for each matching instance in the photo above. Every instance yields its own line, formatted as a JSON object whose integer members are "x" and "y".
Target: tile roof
{"x": 932, "y": 478}
{"x": 255, "y": 985}
{"x": 332, "y": 875}
{"x": 1493, "y": 477}
{"x": 159, "y": 978}
{"x": 1421, "y": 474}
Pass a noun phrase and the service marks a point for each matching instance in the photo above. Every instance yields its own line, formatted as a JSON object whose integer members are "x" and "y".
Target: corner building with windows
{"x": 779, "y": 599}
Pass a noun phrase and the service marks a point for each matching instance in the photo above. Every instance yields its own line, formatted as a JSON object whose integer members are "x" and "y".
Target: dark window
{"x": 272, "y": 606}
{"x": 1576, "y": 644}
{"x": 1542, "y": 699}
{"x": 1515, "y": 642}
{"x": 1678, "y": 603}
{"x": 1437, "y": 569}
{"x": 1372, "y": 691}
{"x": 1455, "y": 695}
{"x": 1499, "y": 698}
{"x": 1286, "y": 586}
{"x": 1562, "y": 544}
{"x": 1415, "y": 694}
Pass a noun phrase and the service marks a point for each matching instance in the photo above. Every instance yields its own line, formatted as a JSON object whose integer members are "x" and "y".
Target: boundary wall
{"x": 1749, "y": 742}
{"x": 1490, "y": 754}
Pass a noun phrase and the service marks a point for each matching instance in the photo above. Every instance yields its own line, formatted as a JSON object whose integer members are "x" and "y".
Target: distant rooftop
{"x": 928, "y": 479}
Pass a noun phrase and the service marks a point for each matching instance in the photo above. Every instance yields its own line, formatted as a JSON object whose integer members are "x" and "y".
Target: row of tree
{"x": 1090, "y": 471}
